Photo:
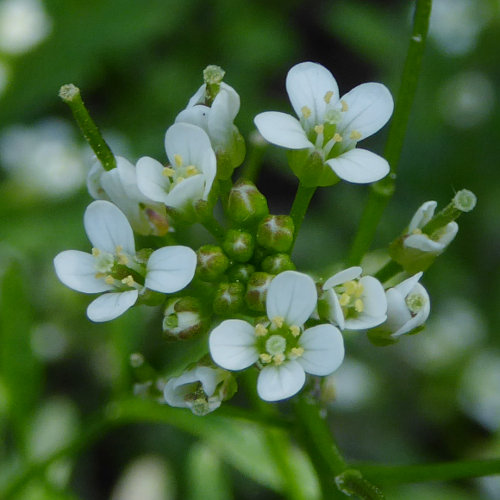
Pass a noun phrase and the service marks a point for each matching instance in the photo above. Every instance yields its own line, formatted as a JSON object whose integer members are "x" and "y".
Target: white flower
{"x": 420, "y": 241}
{"x": 329, "y": 125}
{"x": 201, "y": 389}
{"x": 352, "y": 302}
{"x": 216, "y": 120}
{"x": 408, "y": 306}
{"x": 281, "y": 346}
{"x": 113, "y": 266}
{"x": 119, "y": 185}
{"x": 190, "y": 175}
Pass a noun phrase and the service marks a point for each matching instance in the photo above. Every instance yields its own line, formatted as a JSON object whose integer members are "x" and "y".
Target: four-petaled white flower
{"x": 119, "y": 185}
{"x": 114, "y": 267}
{"x": 329, "y": 125}
{"x": 281, "y": 346}
{"x": 435, "y": 243}
{"x": 191, "y": 172}
{"x": 201, "y": 389}
{"x": 352, "y": 302}
{"x": 408, "y": 306}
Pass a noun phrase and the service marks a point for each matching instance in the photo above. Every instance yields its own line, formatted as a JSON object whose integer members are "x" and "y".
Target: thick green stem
{"x": 388, "y": 271}
{"x": 448, "y": 471}
{"x": 382, "y": 191}
{"x": 253, "y": 163}
{"x": 72, "y": 97}
{"x": 299, "y": 208}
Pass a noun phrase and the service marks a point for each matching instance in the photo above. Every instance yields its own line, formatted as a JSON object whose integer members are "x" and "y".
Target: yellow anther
{"x": 96, "y": 252}
{"x": 345, "y": 298}
{"x": 295, "y": 330}
{"x": 265, "y": 358}
{"x": 191, "y": 170}
{"x": 260, "y": 330}
{"x": 179, "y": 180}
{"x": 278, "y": 321}
{"x": 297, "y": 351}
{"x": 359, "y": 306}
{"x": 337, "y": 137}
{"x": 359, "y": 290}
{"x": 109, "y": 280}
{"x": 328, "y": 96}
{"x": 355, "y": 135}
{"x": 178, "y": 160}
{"x": 345, "y": 107}
{"x": 118, "y": 249}
{"x": 168, "y": 172}
{"x": 319, "y": 129}
{"x": 350, "y": 287}
{"x": 278, "y": 359}
{"x": 123, "y": 259}
{"x": 306, "y": 112}
{"x": 417, "y": 230}
{"x": 129, "y": 281}
{"x": 100, "y": 275}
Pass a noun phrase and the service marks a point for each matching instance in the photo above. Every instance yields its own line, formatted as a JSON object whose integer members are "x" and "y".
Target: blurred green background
{"x": 431, "y": 397}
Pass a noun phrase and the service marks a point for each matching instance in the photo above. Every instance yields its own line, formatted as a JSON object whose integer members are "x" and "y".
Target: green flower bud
{"x": 229, "y": 298}
{"x": 246, "y": 204}
{"x": 212, "y": 263}
{"x": 277, "y": 263}
{"x": 257, "y": 291}
{"x": 183, "y": 318}
{"x": 238, "y": 245}
{"x": 241, "y": 272}
{"x": 275, "y": 232}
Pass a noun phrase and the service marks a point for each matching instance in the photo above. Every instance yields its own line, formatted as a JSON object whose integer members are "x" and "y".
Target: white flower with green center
{"x": 280, "y": 346}
{"x": 435, "y": 243}
{"x": 191, "y": 172}
{"x": 351, "y": 302}
{"x": 114, "y": 267}
{"x": 408, "y": 306}
{"x": 119, "y": 185}
{"x": 331, "y": 126}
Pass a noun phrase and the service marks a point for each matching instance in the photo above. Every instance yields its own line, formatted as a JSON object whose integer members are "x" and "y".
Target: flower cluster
{"x": 241, "y": 288}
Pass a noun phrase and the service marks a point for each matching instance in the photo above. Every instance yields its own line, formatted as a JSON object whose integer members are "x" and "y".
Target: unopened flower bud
{"x": 238, "y": 245}
{"x": 246, "y": 204}
{"x": 212, "y": 262}
{"x": 277, "y": 263}
{"x": 183, "y": 318}
{"x": 241, "y": 272}
{"x": 257, "y": 291}
{"x": 275, "y": 232}
{"x": 229, "y": 298}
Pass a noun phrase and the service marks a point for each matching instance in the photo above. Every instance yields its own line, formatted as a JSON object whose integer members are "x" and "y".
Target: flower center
{"x": 415, "y": 302}
{"x": 351, "y": 298}
{"x": 179, "y": 171}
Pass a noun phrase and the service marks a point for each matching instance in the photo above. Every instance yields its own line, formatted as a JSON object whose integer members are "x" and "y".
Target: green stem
{"x": 382, "y": 191}
{"x": 225, "y": 186}
{"x": 253, "y": 164}
{"x": 72, "y": 97}
{"x": 299, "y": 208}
{"x": 448, "y": 471}
{"x": 388, "y": 271}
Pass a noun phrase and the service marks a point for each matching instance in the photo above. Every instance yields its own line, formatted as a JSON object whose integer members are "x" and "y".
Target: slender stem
{"x": 299, "y": 208}
{"x": 225, "y": 186}
{"x": 253, "y": 164}
{"x": 447, "y": 471}
{"x": 388, "y": 271}
{"x": 382, "y": 191}
{"x": 72, "y": 97}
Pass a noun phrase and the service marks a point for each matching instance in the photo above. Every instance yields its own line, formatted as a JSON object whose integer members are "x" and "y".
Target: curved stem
{"x": 299, "y": 208}
{"x": 382, "y": 191}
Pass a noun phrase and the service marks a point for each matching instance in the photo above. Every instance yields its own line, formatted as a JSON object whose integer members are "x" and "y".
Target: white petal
{"x": 397, "y": 310}
{"x": 280, "y": 382}
{"x": 359, "y": 166}
{"x": 197, "y": 115}
{"x": 341, "y": 277}
{"x": 307, "y": 84}
{"x": 107, "y": 227}
{"x": 150, "y": 179}
{"x": 77, "y": 270}
{"x": 198, "y": 97}
{"x": 369, "y": 107}
{"x": 222, "y": 114}
{"x": 406, "y": 286}
{"x": 336, "y": 315}
{"x": 323, "y": 350}
{"x": 170, "y": 269}
{"x": 374, "y": 300}
{"x": 450, "y": 232}
{"x": 94, "y": 185}
{"x": 188, "y": 141}
{"x": 128, "y": 179}
{"x": 423, "y": 242}
{"x": 293, "y": 296}
{"x": 422, "y": 216}
{"x": 232, "y": 345}
{"x": 186, "y": 192}
{"x": 111, "y": 305}
{"x": 282, "y": 129}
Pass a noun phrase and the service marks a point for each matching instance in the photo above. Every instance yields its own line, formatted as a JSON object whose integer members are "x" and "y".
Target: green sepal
{"x": 310, "y": 168}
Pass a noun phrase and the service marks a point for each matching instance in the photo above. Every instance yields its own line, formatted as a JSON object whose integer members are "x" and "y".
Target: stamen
{"x": 355, "y": 135}
{"x": 295, "y": 330}
{"x": 168, "y": 172}
{"x": 109, "y": 280}
{"x": 306, "y": 112}
{"x": 359, "y": 306}
{"x": 178, "y": 160}
{"x": 191, "y": 170}
{"x": 278, "y": 321}
{"x": 297, "y": 351}
{"x": 328, "y": 96}
{"x": 345, "y": 107}
{"x": 350, "y": 287}
{"x": 417, "y": 230}
{"x": 337, "y": 137}
{"x": 129, "y": 281}
{"x": 260, "y": 330}
{"x": 278, "y": 359}
{"x": 359, "y": 290}
{"x": 345, "y": 298}
{"x": 265, "y": 358}
{"x": 319, "y": 129}
{"x": 118, "y": 249}
{"x": 96, "y": 252}
{"x": 179, "y": 180}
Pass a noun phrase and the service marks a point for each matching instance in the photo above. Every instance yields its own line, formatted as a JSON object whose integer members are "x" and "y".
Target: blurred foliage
{"x": 431, "y": 397}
